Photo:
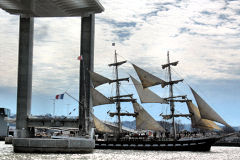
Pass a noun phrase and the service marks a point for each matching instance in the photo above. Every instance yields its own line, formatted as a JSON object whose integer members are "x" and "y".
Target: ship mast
{"x": 172, "y": 108}
{"x": 120, "y": 98}
{"x": 171, "y": 97}
{"x": 118, "y": 104}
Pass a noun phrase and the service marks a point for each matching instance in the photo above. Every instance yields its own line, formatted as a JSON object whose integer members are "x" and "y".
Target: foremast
{"x": 201, "y": 116}
{"x": 171, "y": 96}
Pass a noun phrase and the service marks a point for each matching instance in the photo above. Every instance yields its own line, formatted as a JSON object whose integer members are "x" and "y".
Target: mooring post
{"x": 24, "y": 85}
{"x": 86, "y": 64}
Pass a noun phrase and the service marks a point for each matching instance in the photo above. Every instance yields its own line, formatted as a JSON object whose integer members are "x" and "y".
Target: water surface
{"x": 216, "y": 153}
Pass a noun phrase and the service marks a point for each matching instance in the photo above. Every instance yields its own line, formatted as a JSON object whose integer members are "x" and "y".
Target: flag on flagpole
{"x": 80, "y": 57}
{"x": 59, "y": 96}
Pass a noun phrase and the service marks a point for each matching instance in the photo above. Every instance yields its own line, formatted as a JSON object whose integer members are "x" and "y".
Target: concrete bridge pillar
{"x": 86, "y": 64}
{"x": 24, "y": 84}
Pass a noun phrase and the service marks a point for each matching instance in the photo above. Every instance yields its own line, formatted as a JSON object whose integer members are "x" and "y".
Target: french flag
{"x": 59, "y": 96}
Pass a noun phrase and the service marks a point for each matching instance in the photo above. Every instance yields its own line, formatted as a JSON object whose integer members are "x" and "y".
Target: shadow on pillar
{"x": 24, "y": 85}
{"x": 86, "y": 64}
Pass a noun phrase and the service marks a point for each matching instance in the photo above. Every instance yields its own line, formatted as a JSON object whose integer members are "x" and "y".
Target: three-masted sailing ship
{"x": 202, "y": 117}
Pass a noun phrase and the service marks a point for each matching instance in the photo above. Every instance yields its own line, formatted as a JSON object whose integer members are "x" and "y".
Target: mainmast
{"x": 118, "y": 104}
{"x": 171, "y": 95}
{"x": 119, "y": 98}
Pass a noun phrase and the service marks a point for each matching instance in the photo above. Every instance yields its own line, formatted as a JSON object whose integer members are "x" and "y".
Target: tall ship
{"x": 115, "y": 136}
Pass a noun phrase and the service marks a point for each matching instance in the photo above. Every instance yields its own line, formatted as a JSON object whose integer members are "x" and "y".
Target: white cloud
{"x": 205, "y": 48}
{"x": 194, "y": 48}
{"x": 203, "y": 35}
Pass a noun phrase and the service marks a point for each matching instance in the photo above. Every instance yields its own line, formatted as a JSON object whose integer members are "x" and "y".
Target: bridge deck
{"x": 52, "y": 8}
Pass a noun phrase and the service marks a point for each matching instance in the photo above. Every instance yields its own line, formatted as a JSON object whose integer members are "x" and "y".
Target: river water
{"x": 216, "y": 153}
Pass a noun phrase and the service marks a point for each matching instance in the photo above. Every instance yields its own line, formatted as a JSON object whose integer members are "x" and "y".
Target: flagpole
{"x": 53, "y": 106}
{"x": 71, "y": 96}
{"x": 68, "y": 109}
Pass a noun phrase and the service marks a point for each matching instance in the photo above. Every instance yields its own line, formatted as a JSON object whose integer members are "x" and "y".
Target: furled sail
{"x": 206, "y": 111}
{"x": 145, "y": 94}
{"x": 144, "y": 120}
{"x": 98, "y": 98}
{"x": 100, "y": 126}
{"x": 197, "y": 121}
{"x": 148, "y": 79}
{"x": 98, "y": 79}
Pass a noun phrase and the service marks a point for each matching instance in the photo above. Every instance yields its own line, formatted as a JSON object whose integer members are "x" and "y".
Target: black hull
{"x": 227, "y": 144}
{"x": 203, "y": 144}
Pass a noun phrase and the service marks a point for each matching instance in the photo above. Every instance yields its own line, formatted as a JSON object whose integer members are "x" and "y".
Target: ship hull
{"x": 203, "y": 144}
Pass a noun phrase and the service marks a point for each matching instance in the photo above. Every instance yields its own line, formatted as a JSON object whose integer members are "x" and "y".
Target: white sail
{"x": 100, "y": 126}
{"x": 144, "y": 120}
{"x": 145, "y": 94}
{"x": 197, "y": 121}
{"x": 206, "y": 111}
{"x": 148, "y": 79}
{"x": 98, "y": 79}
{"x": 98, "y": 98}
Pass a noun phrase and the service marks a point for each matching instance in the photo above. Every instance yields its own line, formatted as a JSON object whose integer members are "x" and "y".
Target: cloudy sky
{"x": 203, "y": 35}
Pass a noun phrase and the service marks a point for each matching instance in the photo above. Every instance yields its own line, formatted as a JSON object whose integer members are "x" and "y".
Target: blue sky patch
{"x": 122, "y": 34}
{"x": 117, "y": 24}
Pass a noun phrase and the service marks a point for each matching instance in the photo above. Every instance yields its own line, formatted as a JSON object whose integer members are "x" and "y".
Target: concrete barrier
{"x": 8, "y": 140}
{"x": 44, "y": 145}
